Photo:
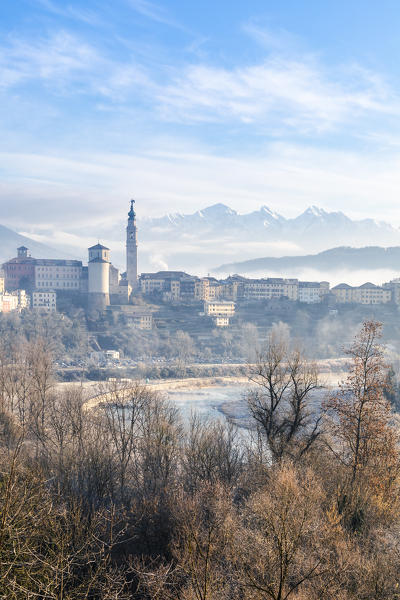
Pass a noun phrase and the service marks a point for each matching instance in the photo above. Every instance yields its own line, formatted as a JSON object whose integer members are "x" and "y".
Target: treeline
{"x": 127, "y": 501}
{"x": 65, "y": 336}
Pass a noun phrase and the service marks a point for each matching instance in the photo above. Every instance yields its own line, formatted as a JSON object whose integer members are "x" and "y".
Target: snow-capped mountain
{"x": 212, "y": 219}
{"x": 266, "y": 222}
{"x": 219, "y": 234}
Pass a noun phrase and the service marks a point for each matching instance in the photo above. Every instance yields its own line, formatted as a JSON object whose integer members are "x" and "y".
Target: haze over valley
{"x": 221, "y": 241}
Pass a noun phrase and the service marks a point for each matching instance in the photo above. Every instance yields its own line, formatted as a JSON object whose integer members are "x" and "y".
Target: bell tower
{"x": 131, "y": 249}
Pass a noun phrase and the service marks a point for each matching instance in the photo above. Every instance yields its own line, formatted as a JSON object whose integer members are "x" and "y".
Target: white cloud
{"x": 288, "y": 178}
{"x": 60, "y": 57}
{"x": 71, "y": 12}
{"x": 280, "y": 94}
{"x": 295, "y": 93}
{"x": 151, "y": 11}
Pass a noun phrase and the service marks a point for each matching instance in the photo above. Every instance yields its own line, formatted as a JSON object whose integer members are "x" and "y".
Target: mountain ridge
{"x": 217, "y": 234}
{"x": 340, "y": 258}
{"x": 217, "y": 215}
{"x": 10, "y": 240}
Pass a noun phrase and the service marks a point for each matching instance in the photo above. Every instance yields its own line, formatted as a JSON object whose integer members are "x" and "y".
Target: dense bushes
{"x": 127, "y": 501}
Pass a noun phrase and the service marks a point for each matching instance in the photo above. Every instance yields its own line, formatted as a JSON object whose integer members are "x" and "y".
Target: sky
{"x": 184, "y": 104}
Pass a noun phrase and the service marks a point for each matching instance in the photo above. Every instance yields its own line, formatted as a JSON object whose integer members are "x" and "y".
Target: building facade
{"x": 25, "y": 272}
{"x": 268, "y": 289}
{"x": 16, "y": 300}
{"x": 368, "y": 293}
{"x": 312, "y": 292}
{"x": 19, "y": 272}
{"x": 394, "y": 287}
{"x": 57, "y": 274}
{"x": 219, "y": 308}
{"x": 44, "y": 300}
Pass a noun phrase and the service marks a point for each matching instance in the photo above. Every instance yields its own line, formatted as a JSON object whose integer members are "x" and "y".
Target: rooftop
{"x": 167, "y": 275}
{"x": 99, "y": 247}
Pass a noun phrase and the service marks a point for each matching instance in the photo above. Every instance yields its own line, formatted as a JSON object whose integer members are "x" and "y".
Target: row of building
{"x": 19, "y": 300}
{"x": 179, "y": 286}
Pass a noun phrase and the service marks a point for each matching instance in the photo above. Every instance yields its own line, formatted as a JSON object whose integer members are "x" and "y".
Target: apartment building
{"x": 44, "y": 300}
{"x": 16, "y": 300}
{"x": 221, "y": 290}
{"x": 202, "y": 289}
{"x": 368, "y": 293}
{"x": 8, "y": 302}
{"x": 394, "y": 287}
{"x": 312, "y": 292}
{"x": 141, "y": 320}
{"x": 268, "y": 289}
{"x": 24, "y": 300}
{"x": 138, "y": 317}
{"x": 167, "y": 283}
{"x": 25, "y": 272}
{"x": 57, "y": 274}
{"x": 219, "y": 308}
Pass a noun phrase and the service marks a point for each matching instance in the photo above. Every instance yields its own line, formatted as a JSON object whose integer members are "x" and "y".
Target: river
{"x": 208, "y": 401}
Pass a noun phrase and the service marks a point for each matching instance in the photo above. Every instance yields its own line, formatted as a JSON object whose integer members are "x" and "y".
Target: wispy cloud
{"x": 154, "y": 12}
{"x": 278, "y": 94}
{"x": 56, "y": 58}
{"x": 290, "y": 94}
{"x": 278, "y": 40}
{"x": 66, "y": 63}
{"x": 287, "y": 177}
{"x": 71, "y": 12}
{"x": 49, "y": 194}
{"x": 295, "y": 93}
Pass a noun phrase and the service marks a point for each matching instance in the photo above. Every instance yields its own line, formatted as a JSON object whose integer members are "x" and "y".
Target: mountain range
{"x": 265, "y": 223}
{"x": 219, "y": 234}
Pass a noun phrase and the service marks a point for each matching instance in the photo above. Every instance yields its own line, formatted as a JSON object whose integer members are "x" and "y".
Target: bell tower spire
{"x": 131, "y": 248}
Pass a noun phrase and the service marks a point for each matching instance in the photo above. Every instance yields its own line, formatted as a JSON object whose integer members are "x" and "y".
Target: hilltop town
{"x": 167, "y": 303}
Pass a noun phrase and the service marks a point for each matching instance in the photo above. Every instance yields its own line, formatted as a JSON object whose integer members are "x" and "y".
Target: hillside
{"x": 342, "y": 258}
{"x": 10, "y": 240}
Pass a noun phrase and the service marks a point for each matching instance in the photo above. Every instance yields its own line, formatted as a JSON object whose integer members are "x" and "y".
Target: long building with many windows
{"x": 25, "y": 272}
{"x": 368, "y": 293}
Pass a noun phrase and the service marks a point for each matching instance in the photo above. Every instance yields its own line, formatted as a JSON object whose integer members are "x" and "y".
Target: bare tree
{"x": 212, "y": 453}
{"x": 123, "y": 412}
{"x": 281, "y": 403}
{"x": 364, "y": 439}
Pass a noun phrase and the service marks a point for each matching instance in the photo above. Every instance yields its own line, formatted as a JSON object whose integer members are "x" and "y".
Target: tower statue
{"x": 131, "y": 249}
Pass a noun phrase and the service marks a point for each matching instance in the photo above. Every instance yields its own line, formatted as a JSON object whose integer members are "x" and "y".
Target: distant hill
{"x": 218, "y": 233}
{"x": 342, "y": 258}
{"x": 10, "y": 240}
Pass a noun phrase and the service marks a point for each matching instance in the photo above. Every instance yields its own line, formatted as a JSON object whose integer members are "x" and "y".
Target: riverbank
{"x": 332, "y": 371}
{"x": 97, "y": 394}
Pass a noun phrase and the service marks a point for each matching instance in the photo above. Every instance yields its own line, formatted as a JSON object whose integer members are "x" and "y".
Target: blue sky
{"x": 184, "y": 104}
